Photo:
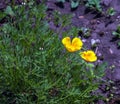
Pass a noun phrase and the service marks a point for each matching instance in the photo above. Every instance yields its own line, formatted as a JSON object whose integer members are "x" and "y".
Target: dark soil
{"x": 101, "y": 26}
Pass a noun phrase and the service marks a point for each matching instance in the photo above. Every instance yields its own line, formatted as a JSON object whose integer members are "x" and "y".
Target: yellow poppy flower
{"x": 73, "y": 46}
{"x": 89, "y": 56}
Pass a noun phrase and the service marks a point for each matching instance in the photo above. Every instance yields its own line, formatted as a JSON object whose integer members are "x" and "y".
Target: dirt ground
{"x": 101, "y": 27}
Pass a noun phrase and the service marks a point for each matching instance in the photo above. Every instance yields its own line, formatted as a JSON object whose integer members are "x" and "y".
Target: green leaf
{"x": 74, "y": 4}
{"x": 119, "y": 43}
{"x": 94, "y": 4}
{"x": 61, "y": 1}
{"x": 2, "y": 15}
{"x": 111, "y": 11}
{"x": 9, "y": 11}
{"x": 114, "y": 33}
{"x": 99, "y": 70}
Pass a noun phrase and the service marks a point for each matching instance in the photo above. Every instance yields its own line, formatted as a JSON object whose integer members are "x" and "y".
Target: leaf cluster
{"x": 93, "y": 4}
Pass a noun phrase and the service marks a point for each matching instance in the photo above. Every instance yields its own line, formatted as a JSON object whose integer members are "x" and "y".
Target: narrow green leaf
{"x": 9, "y": 11}
{"x": 74, "y": 4}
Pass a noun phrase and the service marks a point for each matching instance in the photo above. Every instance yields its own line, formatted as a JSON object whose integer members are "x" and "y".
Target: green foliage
{"x": 61, "y": 20}
{"x": 61, "y": 1}
{"x": 75, "y": 3}
{"x": 95, "y": 4}
{"x": 118, "y": 44}
{"x": 9, "y": 11}
{"x": 85, "y": 32}
{"x": 111, "y": 11}
{"x": 35, "y": 68}
{"x": 2, "y": 15}
{"x": 117, "y": 32}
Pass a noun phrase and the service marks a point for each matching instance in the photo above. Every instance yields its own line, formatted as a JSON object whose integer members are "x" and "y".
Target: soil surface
{"x": 101, "y": 26}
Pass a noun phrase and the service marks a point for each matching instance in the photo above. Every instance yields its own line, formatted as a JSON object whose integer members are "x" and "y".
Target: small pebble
{"x": 95, "y": 41}
{"x": 98, "y": 22}
{"x": 84, "y": 40}
{"x": 118, "y": 17}
{"x": 81, "y": 17}
{"x": 111, "y": 51}
{"x": 99, "y": 54}
{"x": 94, "y": 21}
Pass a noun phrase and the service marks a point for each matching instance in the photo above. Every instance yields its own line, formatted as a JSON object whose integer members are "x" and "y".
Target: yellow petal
{"x": 92, "y": 59}
{"x": 70, "y": 48}
{"x": 89, "y": 56}
{"x": 77, "y": 43}
{"x": 66, "y": 41}
{"x": 74, "y": 46}
{"x": 83, "y": 55}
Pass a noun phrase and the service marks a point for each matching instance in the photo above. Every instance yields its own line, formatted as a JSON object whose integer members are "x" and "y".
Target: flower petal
{"x": 70, "y": 48}
{"x": 66, "y": 41}
{"x": 77, "y": 43}
{"x": 89, "y": 56}
{"x": 74, "y": 46}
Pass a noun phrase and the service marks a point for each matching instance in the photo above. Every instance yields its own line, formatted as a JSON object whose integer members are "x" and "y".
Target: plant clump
{"x": 35, "y": 67}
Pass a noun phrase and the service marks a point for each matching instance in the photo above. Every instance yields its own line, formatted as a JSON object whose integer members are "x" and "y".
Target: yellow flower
{"x": 89, "y": 56}
{"x": 73, "y": 46}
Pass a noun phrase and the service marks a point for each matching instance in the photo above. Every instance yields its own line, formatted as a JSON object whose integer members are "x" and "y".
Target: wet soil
{"x": 101, "y": 26}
